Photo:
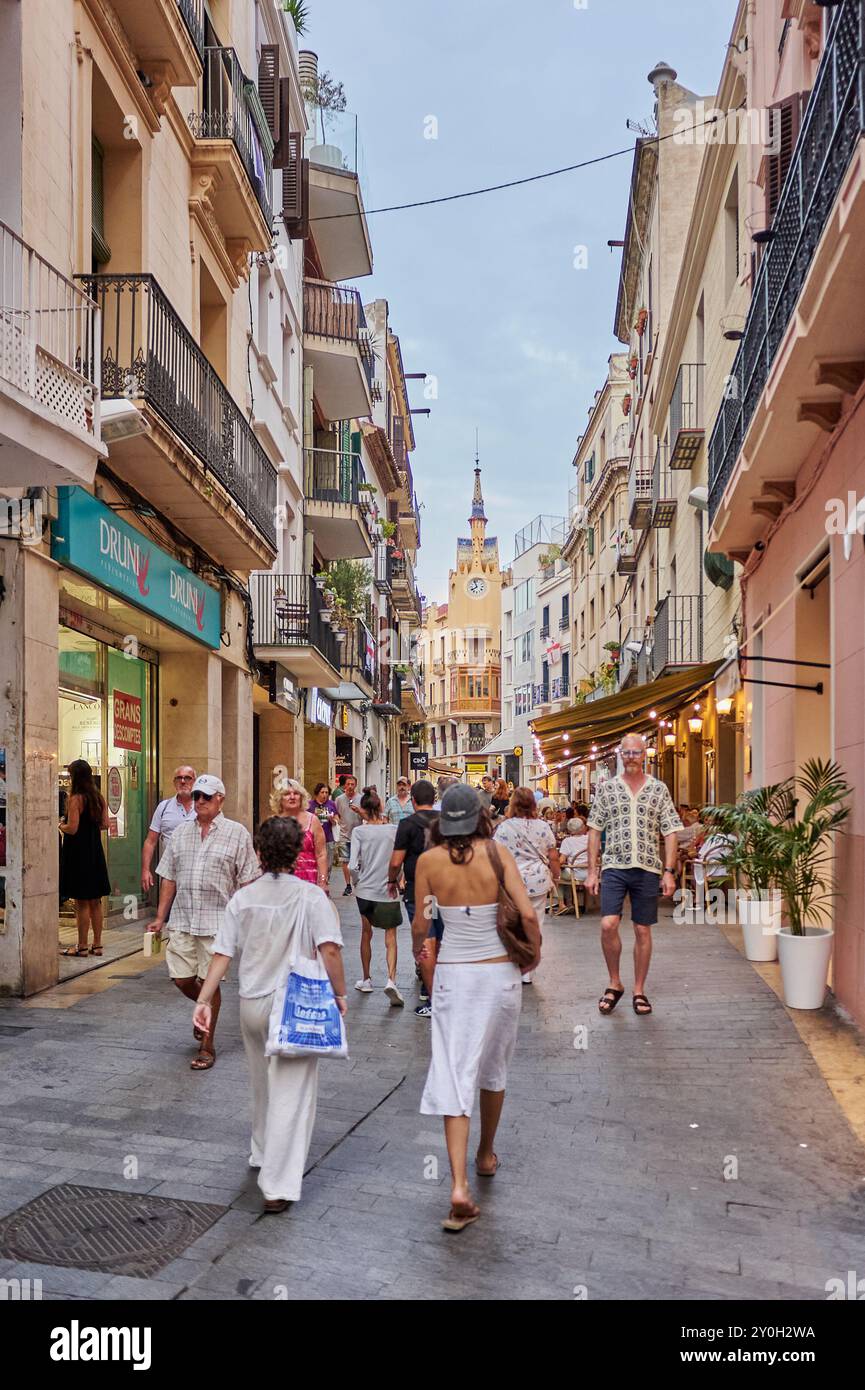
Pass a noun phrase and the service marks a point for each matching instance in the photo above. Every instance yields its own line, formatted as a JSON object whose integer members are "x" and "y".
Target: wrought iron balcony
{"x": 475, "y": 742}
{"x": 149, "y": 355}
{"x": 833, "y": 124}
{"x": 193, "y": 17}
{"x": 333, "y": 475}
{"x": 663, "y": 488}
{"x": 640, "y": 495}
{"x": 382, "y": 575}
{"x": 687, "y": 425}
{"x": 288, "y": 615}
{"x": 230, "y": 109}
{"x": 677, "y": 632}
{"x": 335, "y": 313}
{"x": 359, "y": 652}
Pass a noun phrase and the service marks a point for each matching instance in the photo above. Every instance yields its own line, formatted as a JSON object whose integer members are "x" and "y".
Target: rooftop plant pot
{"x": 805, "y": 966}
{"x": 760, "y": 921}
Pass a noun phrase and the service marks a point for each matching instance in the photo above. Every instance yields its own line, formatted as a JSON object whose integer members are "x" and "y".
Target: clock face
{"x": 477, "y": 587}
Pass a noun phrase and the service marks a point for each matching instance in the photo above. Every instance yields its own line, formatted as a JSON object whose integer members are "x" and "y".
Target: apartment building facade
{"x": 785, "y": 452}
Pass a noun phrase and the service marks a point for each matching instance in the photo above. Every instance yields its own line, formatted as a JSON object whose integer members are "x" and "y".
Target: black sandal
{"x": 611, "y": 998}
{"x": 641, "y": 999}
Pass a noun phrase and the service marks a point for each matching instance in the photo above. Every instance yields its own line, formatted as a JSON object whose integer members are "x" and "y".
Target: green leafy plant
{"x": 388, "y": 530}
{"x": 802, "y": 848}
{"x": 751, "y": 822}
{"x": 349, "y": 581}
{"x": 299, "y": 13}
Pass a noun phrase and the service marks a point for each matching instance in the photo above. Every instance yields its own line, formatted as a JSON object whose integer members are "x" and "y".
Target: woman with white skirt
{"x": 476, "y": 994}
{"x": 268, "y": 924}
{"x": 532, "y": 843}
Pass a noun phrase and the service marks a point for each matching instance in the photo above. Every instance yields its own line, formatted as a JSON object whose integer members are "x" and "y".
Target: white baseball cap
{"x": 210, "y": 785}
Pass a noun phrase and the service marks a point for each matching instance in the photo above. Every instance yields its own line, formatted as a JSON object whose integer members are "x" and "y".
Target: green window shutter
{"x": 590, "y": 540}
{"x": 101, "y": 249}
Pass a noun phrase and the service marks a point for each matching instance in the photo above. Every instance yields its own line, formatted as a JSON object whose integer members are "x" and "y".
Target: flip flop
{"x": 646, "y": 1010}
{"x": 482, "y": 1174}
{"x": 611, "y": 998}
{"x": 461, "y": 1214}
{"x": 96, "y": 950}
{"x": 203, "y": 1062}
{"x": 75, "y": 951}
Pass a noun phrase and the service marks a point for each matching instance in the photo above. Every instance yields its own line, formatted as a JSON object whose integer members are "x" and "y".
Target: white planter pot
{"x": 329, "y": 155}
{"x": 760, "y": 922}
{"x": 804, "y": 966}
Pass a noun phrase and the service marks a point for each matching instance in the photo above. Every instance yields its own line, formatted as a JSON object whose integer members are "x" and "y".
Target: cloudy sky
{"x": 484, "y": 293}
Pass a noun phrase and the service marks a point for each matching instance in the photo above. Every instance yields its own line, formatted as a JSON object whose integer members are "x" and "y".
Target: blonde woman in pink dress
{"x": 311, "y": 864}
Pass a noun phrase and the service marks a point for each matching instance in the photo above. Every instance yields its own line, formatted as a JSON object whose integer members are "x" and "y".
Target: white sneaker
{"x": 365, "y": 986}
{"x": 394, "y": 995}
{"x": 527, "y": 979}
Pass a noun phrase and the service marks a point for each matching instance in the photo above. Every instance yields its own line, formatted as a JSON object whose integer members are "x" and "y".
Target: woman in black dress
{"x": 83, "y": 871}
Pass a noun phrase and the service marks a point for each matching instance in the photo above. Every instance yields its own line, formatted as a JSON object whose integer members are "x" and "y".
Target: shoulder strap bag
{"x": 509, "y": 919}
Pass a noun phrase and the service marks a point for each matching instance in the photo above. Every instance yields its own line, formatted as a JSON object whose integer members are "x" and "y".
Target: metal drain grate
{"x": 97, "y": 1229}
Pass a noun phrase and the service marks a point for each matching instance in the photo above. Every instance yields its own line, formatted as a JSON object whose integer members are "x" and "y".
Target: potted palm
{"x": 751, "y": 859}
{"x": 803, "y": 854}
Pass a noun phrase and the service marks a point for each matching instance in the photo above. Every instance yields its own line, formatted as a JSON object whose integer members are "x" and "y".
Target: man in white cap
{"x": 205, "y": 862}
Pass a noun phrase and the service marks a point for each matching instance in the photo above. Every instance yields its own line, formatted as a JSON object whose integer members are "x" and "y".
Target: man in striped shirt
{"x": 205, "y": 862}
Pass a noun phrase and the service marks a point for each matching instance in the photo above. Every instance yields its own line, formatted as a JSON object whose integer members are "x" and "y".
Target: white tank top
{"x": 470, "y": 934}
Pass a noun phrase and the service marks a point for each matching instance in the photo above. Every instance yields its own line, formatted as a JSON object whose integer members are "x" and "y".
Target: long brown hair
{"x": 84, "y": 786}
{"x": 461, "y": 848}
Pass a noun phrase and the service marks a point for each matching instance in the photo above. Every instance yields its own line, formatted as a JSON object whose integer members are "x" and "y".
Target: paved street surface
{"x": 613, "y": 1155}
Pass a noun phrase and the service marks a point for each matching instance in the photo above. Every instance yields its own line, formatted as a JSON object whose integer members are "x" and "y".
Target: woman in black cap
{"x": 477, "y": 995}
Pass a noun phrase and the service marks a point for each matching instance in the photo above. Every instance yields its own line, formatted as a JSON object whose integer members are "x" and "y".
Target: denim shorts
{"x": 640, "y": 885}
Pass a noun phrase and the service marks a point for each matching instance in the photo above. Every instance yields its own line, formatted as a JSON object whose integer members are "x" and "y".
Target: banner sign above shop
{"x": 91, "y": 538}
{"x": 318, "y": 709}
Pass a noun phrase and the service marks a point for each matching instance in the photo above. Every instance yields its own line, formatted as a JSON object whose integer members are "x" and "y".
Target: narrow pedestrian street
{"x": 618, "y": 1158}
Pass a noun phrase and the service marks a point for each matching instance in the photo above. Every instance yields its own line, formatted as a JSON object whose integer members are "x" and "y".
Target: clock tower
{"x": 462, "y": 651}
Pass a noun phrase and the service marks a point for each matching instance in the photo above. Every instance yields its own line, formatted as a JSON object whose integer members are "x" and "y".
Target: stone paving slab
{"x": 613, "y": 1154}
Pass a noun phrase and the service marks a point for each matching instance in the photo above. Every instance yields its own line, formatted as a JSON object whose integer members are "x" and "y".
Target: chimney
{"x": 307, "y": 62}
{"x": 661, "y": 72}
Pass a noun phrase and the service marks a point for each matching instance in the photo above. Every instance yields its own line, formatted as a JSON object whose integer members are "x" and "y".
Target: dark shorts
{"x": 366, "y": 907}
{"x": 639, "y": 885}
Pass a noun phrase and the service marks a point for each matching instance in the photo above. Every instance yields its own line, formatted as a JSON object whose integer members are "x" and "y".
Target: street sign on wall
{"x": 419, "y": 762}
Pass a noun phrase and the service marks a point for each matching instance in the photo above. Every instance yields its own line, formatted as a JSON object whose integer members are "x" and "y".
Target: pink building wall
{"x": 830, "y": 627}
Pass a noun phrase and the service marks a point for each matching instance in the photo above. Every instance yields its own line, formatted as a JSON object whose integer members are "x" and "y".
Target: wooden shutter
{"x": 295, "y": 189}
{"x": 777, "y": 165}
{"x": 269, "y": 86}
{"x": 101, "y": 251}
{"x": 282, "y": 143}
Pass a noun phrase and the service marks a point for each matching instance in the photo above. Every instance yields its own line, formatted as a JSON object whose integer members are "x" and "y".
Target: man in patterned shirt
{"x": 205, "y": 862}
{"x": 634, "y": 810}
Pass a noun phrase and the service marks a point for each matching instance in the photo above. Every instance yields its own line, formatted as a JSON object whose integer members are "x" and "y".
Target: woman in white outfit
{"x": 532, "y": 843}
{"x": 476, "y": 994}
{"x": 269, "y": 923}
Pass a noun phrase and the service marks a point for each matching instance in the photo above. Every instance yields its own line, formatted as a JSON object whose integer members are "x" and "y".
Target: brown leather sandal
{"x": 461, "y": 1214}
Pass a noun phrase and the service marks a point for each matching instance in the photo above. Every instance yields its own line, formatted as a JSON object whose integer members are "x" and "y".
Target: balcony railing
{"x": 359, "y": 652}
{"x": 833, "y": 123}
{"x": 333, "y": 475}
{"x": 475, "y": 742}
{"x": 336, "y": 312}
{"x": 677, "y": 632}
{"x": 640, "y": 496}
{"x": 382, "y": 575}
{"x": 687, "y": 425}
{"x": 332, "y": 140}
{"x": 287, "y": 611}
{"x": 50, "y": 344}
{"x": 148, "y": 354}
{"x": 230, "y": 109}
{"x": 663, "y": 488}
{"x": 192, "y": 12}
{"x": 541, "y": 694}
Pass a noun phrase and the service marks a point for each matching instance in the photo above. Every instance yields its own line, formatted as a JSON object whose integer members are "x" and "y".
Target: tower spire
{"x": 478, "y": 513}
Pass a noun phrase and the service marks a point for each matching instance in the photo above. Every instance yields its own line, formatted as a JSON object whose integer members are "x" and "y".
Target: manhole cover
{"x": 113, "y": 1232}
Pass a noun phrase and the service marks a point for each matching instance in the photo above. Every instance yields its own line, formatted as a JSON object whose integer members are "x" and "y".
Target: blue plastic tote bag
{"x": 304, "y": 1018}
